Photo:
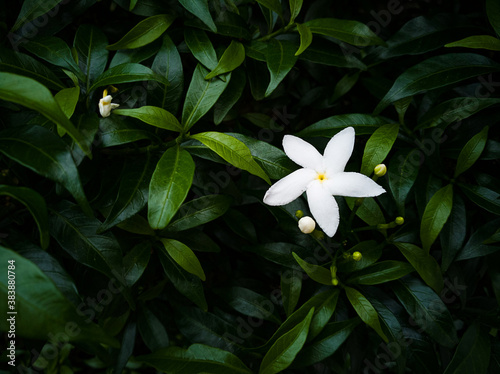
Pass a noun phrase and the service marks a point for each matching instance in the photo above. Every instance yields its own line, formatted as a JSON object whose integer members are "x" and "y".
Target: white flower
{"x": 307, "y": 225}
{"x": 321, "y": 177}
{"x": 105, "y": 105}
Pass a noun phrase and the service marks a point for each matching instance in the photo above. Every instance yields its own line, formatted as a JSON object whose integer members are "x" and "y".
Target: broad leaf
{"x": 453, "y": 233}
{"x": 145, "y": 32}
{"x": 477, "y": 42}
{"x": 152, "y": 331}
{"x": 493, "y": 12}
{"x": 280, "y": 58}
{"x": 402, "y": 174}
{"x": 201, "y": 47}
{"x": 477, "y": 245}
{"x": 315, "y": 272}
{"x": 436, "y": 214}
{"x": 114, "y": 131}
{"x": 273, "y": 5}
{"x": 152, "y": 116}
{"x": 482, "y": 196}
{"x": 327, "y": 53}
{"x": 230, "y": 96}
{"x": 352, "y": 32}
{"x": 471, "y": 151}
{"x": 169, "y": 186}
{"x": 306, "y": 38}
{"x": 381, "y": 272}
{"x": 328, "y": 127}
{"x": 184, "y": 257}
{"x": 295, "y": 7}
{"x": 32, "y": 9}
{"x": 135, "y": 262}
{"x": 378, "y": 147}
{"x": 200, "y": 9}
{"x": 291, "y": 284}
{"x": 232, "y": 57}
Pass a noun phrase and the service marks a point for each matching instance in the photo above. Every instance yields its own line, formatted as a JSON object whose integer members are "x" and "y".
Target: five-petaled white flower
{"x": 105, "y": 104}
{"x": 321, "y": 177}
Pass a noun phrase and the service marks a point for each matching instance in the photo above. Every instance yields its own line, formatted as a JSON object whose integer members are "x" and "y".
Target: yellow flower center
{"x": 321, "y": 176}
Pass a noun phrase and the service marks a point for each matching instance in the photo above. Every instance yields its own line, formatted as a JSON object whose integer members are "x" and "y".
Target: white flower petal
{"x": 323, "y": 207}
{"x": 289, "y": 188}
{"x": 353, "y": 185}
{"x": 302, "y": 153}
{"x": 339, "y": 150}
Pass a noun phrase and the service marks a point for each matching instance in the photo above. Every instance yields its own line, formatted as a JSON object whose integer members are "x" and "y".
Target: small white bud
{"x": 105, "y": 106}
{"x": 307, "y": 225}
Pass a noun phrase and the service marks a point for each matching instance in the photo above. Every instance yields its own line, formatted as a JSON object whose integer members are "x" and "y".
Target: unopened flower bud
{"x": 335, "y": 282}
{"x": 299, "y": 214}
{"x": 307, "y": 225}
{"x": 380, "y": 170}
{"x": 105, "y": 105}
{"x": 357, "y": 256}
{"x": 399, "y": 220}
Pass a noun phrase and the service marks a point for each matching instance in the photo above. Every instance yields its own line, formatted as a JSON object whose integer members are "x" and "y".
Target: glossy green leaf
{"x": 201, "y": 47}
{"x": 371, "y": 252}
{"x": 152, "y": 116}
{"x": 427, "y": 310}
{"x": 230, "y": 96}
{"x": 125, "y": 73}
{"x": 152, "y": 331}
{"x": 232, "y": 57}
{"x": 233, "y": 151}
{"x": 327, "y": 53}
{"x": 471, "y": 151}
{"x": 67, "y": 99}
{"x": 55, "y": 51}
{"x": 436, "y": 214}
{"x": 402, "y": 174}
{"x": 378, "y": 147}
{"x": 90, "y": 44}
{"x": 200, "y": 9}
{"x": 135, "y": 262}
{"x": 477, "y": 42}
{"x": 33, "y": 95}
{"x": 295, "y": 7}
{"x": 482, "y": 196}
{"x": 452, "y": 236}
{"x": 32, "y": 9}
{"x": 381, "y": 272}
{"x": 344, "y": 85}
{"x": 369, "y": 211}
{"x": 328, "y": 127}
{"x": 291, "y": 285}
{"x": 315, "y": 272}
{"x": 273, "y": 5}
{"x": 280, "y": 58}
{"x": 35, "y": 204}
{"x": 137, "y": 55}
{"x": 197, "y": 358}
{"x": 365, "y": 310}
{"x": 114, "y": 131}
{"x": 184, "y": 257}
{"x": 476, "y": 246}
{"x": 283, "y": 351}
{"x": 137, "y": 225}
{"x": 493, "y": 12}
{"x": 21, "y": 64}
{"x": 306, "y": 37}
{"x": 201, "y": 96}
{"x": 45, "y": 153}
{"x": 41, "y": 308}
{"x": 472, "y": 354}
{"x": 436, "y": 72}
{"x": 186, "y": 283}
{"x": 145, "y": 32}
{"x": 132, "y": 193}
{"x": 352, "y": 32}
{"x": 425, "y": 265}
{"x": 169, "y": 186}
{"x": 200, "y": 211}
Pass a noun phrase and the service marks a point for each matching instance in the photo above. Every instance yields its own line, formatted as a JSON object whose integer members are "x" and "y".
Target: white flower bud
{"x": 307, "y": 225}
{"x": 105, "y": 106}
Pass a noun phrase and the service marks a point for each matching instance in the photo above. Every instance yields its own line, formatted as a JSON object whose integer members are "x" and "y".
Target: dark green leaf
{"x": 230, "y": 96}
{"x": 152, "y": 116}
{"x": 136, "y": 55}
{"x": 344, "y": 85}
{"x": 135, "y": 262}
{"x": 201, "y": 47}
{"x": 330, "y": 54}
{"x": 145, "y": 32}
{"x": 169, "y": 186}
{"x": 402, "y": 174}
{"x": 295, "y": 7}
{"x": 315, "y": 272}
{"x": 232, "y": 57}
{"x": 127, "y": 346}
{"x": 381, "y": 272}
{"x": 35, "y": 203}
{"x": 482, "y": 196}
{"x": 291, "y": 284}
{"x": 471, "y": 151}
{"x": 352, "y": 32}
{"x": 378, "y": 147}
{"x": 45, "y": 153}
{"x": 151, "y": 329}
{"x": 32, "y": 9}
{"x": 369, "y": 211}
{"x": 114, "y": 132}
{"x": 200, "y": 9}
{"x": 184, "y": 257}
{"x": 280, "y": 58}
{"x": 306, "y": 37}
{"x": 493, "y": 12}
{"x": 454, "y": 231}
{"x": 477, "y": 42}
{"x": 279, "y": 253}
{"x": 475, "y": 246}
{"x": 371, "y": 252}
{"x": 328, "y": 127}
{"x": 273, "y": 5}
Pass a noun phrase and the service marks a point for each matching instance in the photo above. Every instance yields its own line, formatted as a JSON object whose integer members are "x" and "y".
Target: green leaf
{"x": 427, "y": 310}
{"x": 152, "y": 331}
{"x": 55, "y": 51}
{"x": 327, "y": 53}
{"x": 137, "y": 55}
{"x": 42, "y": 309}
{"x": 200, "y": 211}
{"x": 232, "y": 57}
{"x": 295, "y": 7}
{"x": 315, "y": 272}
{"x": 381, "y": 272}
{"x": 436, "y": 72}
{"x": 371, "y": 252}
{"x": 365, "y": 310}
{"x": 114, "y": 131}
{"x": 46, "y": 154}
{"x": 33, "y": 95}
{"x": 169, "y": 186}
{"x": 402, "y": 106}
{"x": 402, "y": 174}
{"x": 137, "y": 225}
{"x": 436, "y": 214}
{"x": 493, "y": 12}
{"x": 352, "y": 32}
{"x": 67, "y": 100}
{"x": 201, "y": 96}
{"x": 471, "y": 151}
{"x": 135, "y": 262}
{"x": 328, "y": 127}
{"x": 454, "y": 231}
{"x": 35, "y": 204}
{"x": 184, "y": 256}
{"x": 280, "y": 58}
{"x": 200, "y": 9}
{"x": 478, "y": 42}
{"x": 132, "y": 193}
{"x": 476, "y": 246}
{"x": 273, "y": 5}
{"x": 186, "y": 283}
{"x": 230, "y": 96}
{"x": 32, "y": 9}
{"x": 484, "y": 197}
{"x": 472, "y": 354}
{"x": 344, "y": 85}
{"x": 201, "y": 47}
{"x": 378, "y": 147}
{"x": 291, "y": 284}
{"x": 306, "y": 37}
{"x": 90, "y": 44}
{"x": 197, "y": 358}
{"x": 249, "y": 303}
{"x": 145, "y": 32}
{"x": 153, "y": 116}
{"x": 233, "y": 151}
{"x": 21, "y": 64}
{"x": 125, "y": 73}
{"x": 369, "y": 211}
{"x": 283, "y": 351}
{"x": 425, "y": 265}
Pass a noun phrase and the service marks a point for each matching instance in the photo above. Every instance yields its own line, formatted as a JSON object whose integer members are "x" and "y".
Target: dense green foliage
{"x": 139, "y": 241}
